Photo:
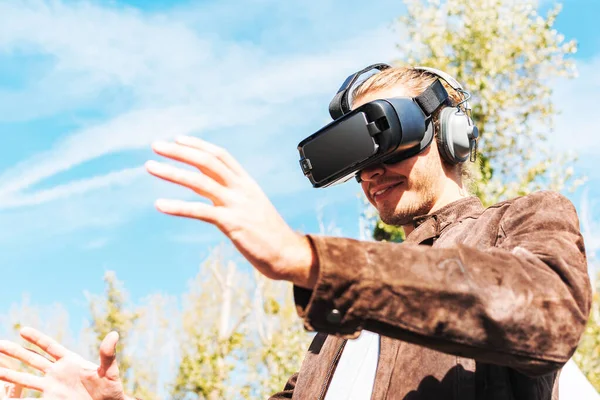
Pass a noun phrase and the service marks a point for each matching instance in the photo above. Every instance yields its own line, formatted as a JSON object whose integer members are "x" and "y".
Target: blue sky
{"x": 85, "y": 87}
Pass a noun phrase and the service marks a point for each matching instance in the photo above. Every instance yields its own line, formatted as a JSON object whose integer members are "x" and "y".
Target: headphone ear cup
{"x": 453, "y": 137}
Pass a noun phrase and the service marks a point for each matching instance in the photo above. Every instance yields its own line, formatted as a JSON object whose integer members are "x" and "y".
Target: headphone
{"x": 457, "y": 135}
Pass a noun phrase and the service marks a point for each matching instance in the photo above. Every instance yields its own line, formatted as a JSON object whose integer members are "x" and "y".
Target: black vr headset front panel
{"x": 368, "y": 135}
{"x": 336, "y": 147}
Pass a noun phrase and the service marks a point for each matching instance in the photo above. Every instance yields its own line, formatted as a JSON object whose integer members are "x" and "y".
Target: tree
{"x": 587, "y": 356}
{"x": 280, "y": 338}
{"x": 112, "y": 312}
{"x": 241, "y": 337}
{"x": 507, "y": 56}
{"x": 152, "y": 345}
{"x": 211, "y": 340}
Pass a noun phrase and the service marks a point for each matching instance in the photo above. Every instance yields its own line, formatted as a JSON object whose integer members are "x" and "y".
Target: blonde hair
{"x": 415, "y": 81}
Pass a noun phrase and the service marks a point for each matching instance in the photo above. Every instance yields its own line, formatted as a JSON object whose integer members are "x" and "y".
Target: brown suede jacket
{"x": 475, "y": 304}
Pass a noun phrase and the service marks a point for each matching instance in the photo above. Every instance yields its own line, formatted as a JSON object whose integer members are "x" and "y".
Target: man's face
{"x": 406, "y": 189}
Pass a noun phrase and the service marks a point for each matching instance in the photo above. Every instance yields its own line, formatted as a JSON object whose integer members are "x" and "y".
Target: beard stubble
{"x": 418, "y": 199}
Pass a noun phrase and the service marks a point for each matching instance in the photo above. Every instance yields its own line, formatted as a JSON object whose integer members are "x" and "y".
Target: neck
{"x": 452, "y": 191}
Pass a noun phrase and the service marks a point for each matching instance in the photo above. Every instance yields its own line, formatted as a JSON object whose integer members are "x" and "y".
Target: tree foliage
{"x": 215, "y": 308}
{"x": 587, "y": 356}
{"x": 280, "y": 339}
{"x": 241, "y": 337}
{"x": 112, "y": 312}
{"x": 508, "y": 56}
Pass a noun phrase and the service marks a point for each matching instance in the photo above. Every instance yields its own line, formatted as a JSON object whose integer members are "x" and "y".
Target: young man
{"x": 476, "y": 304}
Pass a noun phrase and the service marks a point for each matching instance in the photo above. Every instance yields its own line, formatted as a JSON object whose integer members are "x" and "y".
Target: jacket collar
{"x": 431, "y": 225}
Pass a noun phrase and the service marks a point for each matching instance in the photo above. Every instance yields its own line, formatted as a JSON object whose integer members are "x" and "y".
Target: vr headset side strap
{"x": 433, "y": 98}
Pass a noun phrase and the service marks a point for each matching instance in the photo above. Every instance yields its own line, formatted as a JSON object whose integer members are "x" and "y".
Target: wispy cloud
{"x": 162, "y": 61}
{"x": 156, "y": 76}
{"x": 131, "y": 130}
{"x": 72, "y": 188}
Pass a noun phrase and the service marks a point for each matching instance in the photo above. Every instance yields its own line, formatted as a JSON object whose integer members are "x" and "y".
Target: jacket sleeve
{"x": 523, "y": 303}
{"x": 288, "y": 390}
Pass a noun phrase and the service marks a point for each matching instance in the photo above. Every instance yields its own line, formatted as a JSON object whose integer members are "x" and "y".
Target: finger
{"x": 44, "y": 342}
{"x": 199, "y": 183}
{"x": 16, "y": 391}
{"x": 27, "y": 356}
{"x": 201, "y": 211}
{"x": 13, "y": 391}
{"x": 22, "y": 379}
{"x": 5, "y": 362}
{"x": 109, "y": 367}
{"x": 206, "y": 162}
{"x": 219, "y": 152}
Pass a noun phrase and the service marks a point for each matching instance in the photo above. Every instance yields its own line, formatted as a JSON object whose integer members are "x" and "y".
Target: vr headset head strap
{"x": 429, "y": 101}
{"x": 340, "y": 104}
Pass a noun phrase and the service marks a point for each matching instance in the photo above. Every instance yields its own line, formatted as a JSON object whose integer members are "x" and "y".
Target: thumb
{"x": 108, "y": 357}
{"x": 14, "y": 391}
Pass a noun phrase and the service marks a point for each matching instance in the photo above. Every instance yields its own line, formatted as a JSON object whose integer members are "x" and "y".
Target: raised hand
{"x": 240, "y": 209}
{"x": 64, "y": 374}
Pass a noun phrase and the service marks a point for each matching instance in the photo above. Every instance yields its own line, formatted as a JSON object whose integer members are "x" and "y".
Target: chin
{"x": 404, "y": 211}
{"x": 396, "y": 220}
{"x": 395, "y": 217}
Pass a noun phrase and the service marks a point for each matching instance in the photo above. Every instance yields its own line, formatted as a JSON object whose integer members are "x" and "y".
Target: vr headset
{"x": 386, "y": 131}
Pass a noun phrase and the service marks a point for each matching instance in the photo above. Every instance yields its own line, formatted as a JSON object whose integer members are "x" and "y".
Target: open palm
{"x": 65, "y": 375}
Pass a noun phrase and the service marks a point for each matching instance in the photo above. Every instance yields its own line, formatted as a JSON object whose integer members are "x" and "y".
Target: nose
{"x": 371, "y": 173}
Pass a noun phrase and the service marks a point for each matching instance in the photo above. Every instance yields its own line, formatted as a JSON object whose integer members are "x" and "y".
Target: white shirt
{"x": 573, "y": 385}
{"x": 354, "y": 375}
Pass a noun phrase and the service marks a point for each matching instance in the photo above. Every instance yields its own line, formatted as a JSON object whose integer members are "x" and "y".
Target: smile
{"x": 381, "y": 192}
